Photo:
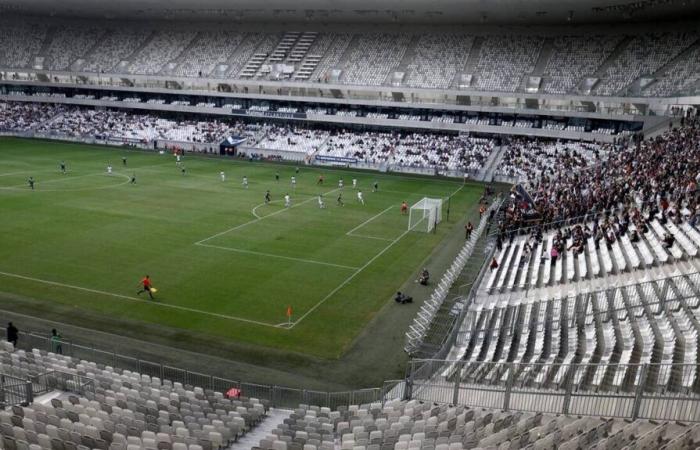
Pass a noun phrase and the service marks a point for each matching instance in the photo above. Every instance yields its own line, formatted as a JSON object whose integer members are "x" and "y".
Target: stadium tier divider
{"x": 425, "y": 317}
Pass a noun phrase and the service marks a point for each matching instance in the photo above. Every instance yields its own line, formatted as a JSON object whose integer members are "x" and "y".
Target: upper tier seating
{"x": 504, "y": 61}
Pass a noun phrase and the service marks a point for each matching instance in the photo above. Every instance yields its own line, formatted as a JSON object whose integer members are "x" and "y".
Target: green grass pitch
{"x": 225, "y": 264}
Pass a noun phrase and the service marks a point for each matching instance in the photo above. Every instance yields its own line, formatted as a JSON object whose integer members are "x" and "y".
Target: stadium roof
{"x": 353, "y": 11}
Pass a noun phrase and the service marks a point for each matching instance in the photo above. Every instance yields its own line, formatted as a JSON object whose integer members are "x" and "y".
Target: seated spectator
{"x": 669, "y": 240}
{"x": 424, "y": 277}
{"x": 402, "y": 298}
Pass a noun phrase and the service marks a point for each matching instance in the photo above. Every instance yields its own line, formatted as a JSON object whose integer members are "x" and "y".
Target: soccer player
{"x": 287, "y": 201}
{"x": 183, "y": 170}
{"x": 109, "y": 169}
{"x": 267, "y": 197}
{"x": 320, "y": 180}
{"x": 133, "y": 178}
{"x": 404, "y": 208}
{"x": 124, "y": 161}
{"x": 245, "y": 182}
{"x": 340, "y": 184}
{"x": 277, "y": 176}
{"x": 147, "y": 287}
{"x": 321, "y": 203}
{"x": 354, "y": 183}
{"x": 360, "y": 198}
{"x": 222, "y": 175}
{"x": 294, "y": 183}
{"x": 375, "y": 187}
{"x": 177, "y": 159}
{"x": 30, "y": 181}
{"x": 63, "y": 167}
{"x": 296, "y": 170}
{"x": 340, "y": 200}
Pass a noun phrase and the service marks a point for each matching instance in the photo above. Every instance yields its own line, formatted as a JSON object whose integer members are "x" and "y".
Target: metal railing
{"x": 14, "y": 391}
{"x": 508, "y": 391}
{"x": 426, "y": 317}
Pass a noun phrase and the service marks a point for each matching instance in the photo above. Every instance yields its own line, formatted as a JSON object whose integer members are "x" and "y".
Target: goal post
{"x": 425, "y": 215}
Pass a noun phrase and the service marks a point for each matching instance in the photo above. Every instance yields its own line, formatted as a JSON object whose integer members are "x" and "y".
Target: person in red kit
{"x": 147, "y": 287}
{"x": 404, "y": 208}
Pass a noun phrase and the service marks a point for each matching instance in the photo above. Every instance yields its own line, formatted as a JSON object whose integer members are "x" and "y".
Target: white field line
{"x": 250, "y": 222}
{"x": 347, "y": 280}
{"x": 272, "y": 255}
{"x": 357, "y": 272}
{"x": 370, "y": 237}
{"x": 349, "y": 233}
{"x": 135, "y": 299}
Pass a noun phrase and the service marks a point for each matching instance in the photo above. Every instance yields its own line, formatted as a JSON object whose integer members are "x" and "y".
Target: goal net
{"x": 425, "y": 214}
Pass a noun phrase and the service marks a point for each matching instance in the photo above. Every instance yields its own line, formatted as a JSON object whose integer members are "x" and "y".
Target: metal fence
{"x": 649, "y": 398}
{"x": 279, "y": 396}
{"x": 14, "y": 391}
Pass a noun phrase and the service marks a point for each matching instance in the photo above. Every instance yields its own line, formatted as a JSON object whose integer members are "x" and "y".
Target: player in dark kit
{"x": 183, "y": 170}
{"x": 124, "y": 161}
{"x": 340, "y": 200}
{"x": 63, "y": 167}
{"x": 320, "y": 180}
{"x": 30, "y": 181}
{"x": 267, "y": 197}
{"x": 375, "y": 188}
{"x": 277, "y": 176}
{"x": 133, "y": 179}
{"x": 147, "y": 287}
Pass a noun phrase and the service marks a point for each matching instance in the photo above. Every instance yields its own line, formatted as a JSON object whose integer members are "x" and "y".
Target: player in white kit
{"x": 245, "y": 182}
{"x": 223, "y": 176}
{"x": 321, "y": 203}
{"x": 354, "y": 183}
{"x": 360, "y": 198}
{"x": 287, "y": 201}
{"x": 109, "y": 169}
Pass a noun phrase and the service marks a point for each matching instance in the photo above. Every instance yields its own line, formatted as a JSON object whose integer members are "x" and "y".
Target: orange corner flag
{"x": 289, "y": 311}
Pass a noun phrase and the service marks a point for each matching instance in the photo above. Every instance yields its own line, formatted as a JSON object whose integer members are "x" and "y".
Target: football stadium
{"x": 349, "y": 225}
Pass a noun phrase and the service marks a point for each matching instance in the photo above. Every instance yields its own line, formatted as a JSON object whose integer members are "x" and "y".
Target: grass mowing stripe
{"x": 134, "y": 299}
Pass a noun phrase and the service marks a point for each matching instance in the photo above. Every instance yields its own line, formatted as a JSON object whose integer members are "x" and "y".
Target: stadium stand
{"x": 574, "y": 57}
{"x": 643, "y": 56}
{"x": 162, "y": 47}
{"x": 438, "y": 59}
{"x": 404, "y": 425}
{"x": 426, "y": 60}
{"x": 504, "y": 61}
{"x": 118, "y": 409}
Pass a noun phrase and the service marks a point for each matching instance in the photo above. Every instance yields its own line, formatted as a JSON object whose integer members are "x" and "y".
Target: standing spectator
{"x": 468, "y": 228}
{"x": 56, "y": 342}
{"x": 12, "y": 334}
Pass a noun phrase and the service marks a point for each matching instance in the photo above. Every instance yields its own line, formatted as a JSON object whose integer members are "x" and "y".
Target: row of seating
{"x": 525, "y": 264}
{"x": 594, "y": 340}
{"x": 124, "y": 411}
{"x": 435, "y": 60}
{"x": 400, "y": 425}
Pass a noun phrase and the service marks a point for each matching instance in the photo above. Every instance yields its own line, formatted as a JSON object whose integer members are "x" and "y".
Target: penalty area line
{"x": 135, "y": 299}
{"x": 347, "y": 280}
{"x": 272, "y": 255}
